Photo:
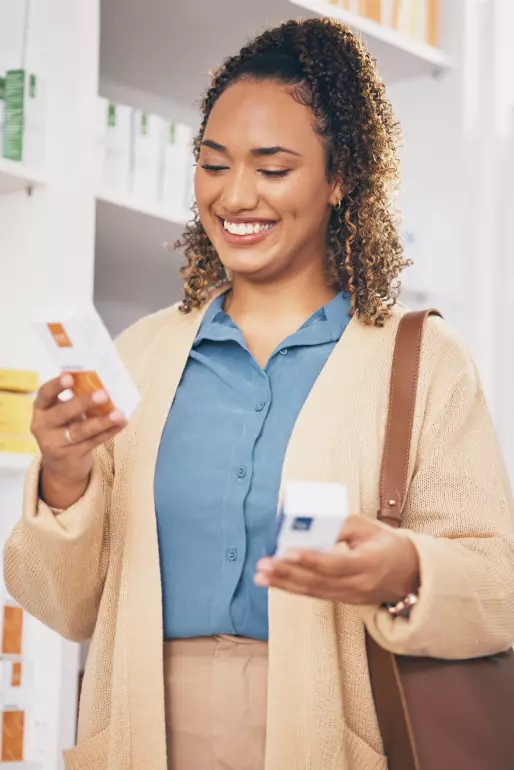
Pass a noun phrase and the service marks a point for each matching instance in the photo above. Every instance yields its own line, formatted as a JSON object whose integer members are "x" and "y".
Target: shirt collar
{"x": 335, "y": 316}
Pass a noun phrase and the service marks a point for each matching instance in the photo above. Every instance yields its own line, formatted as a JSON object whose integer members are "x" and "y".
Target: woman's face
{"x": 261, "y": 185}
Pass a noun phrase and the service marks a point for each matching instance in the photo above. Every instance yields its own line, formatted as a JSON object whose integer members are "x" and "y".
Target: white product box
{"x": 79, "y": 343}
{"x": 177, "y": 164}
{"x": 387, "y": 12}
{"x": 419, "y": 19}
{"x": 24, "y": 117}
{"x": 16, "y": 682}
{"x": 311, "y": 516}
{"x": 148, "y": 133}
{"x": 117, "y": 166}
{"x": 405, "y": 13}
{"x": 13, "y": 33}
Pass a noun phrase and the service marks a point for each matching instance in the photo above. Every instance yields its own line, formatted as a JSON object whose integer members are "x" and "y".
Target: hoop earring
{"x": 337, "y": 206}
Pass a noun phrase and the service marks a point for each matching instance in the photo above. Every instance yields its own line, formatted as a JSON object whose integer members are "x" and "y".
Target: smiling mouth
{"x": 247, "y": 231}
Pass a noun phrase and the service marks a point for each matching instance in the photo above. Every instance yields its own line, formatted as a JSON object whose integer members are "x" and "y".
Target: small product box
{"x": 79, "y": 344}
{"x": 372, "y": 9}
{"x": 177, "y": 167}
{"x": 148, "y": 133}
{"x": 311, "y": 516}
{"x": 16, "y": 689}
{"x": 24, "y": 117}
{"x": 117, "y": 166}
{"x": 14, "y": 18}
{"x": 388, "y": 13}
{"x": 19, "y": 380}
{"x": 16, "y": 444}
{"x": 12, "y": 629}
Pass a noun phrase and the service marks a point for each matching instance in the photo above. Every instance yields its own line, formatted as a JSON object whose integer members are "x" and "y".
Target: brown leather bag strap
{"x": 402, "y": 401}
{"x": 390, "y": 705}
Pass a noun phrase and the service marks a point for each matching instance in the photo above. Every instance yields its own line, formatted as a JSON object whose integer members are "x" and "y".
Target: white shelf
{"x": 398, "y": 56}
{"x": 16, "y": 176}
{"x": 150, "y": 210}
{"x": 11, "y": 463}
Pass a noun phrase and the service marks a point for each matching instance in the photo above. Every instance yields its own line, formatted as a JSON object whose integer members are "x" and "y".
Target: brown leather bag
{"x": 433, "y": 714}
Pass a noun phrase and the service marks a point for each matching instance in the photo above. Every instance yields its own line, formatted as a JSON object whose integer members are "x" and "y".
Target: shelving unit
{"x": 131, "y": 204}
{"x": 399, "y": 57}
{"x": 16, "y": 176}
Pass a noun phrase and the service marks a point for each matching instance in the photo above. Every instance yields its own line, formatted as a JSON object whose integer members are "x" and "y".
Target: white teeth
{"x": 243, "y": 228}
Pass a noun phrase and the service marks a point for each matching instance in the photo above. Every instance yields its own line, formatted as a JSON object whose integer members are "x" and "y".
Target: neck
{"x": 296, "y": 298}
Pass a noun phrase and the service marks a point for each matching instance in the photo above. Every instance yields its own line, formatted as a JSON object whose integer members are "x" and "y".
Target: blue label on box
{"x": 302, "y": 523}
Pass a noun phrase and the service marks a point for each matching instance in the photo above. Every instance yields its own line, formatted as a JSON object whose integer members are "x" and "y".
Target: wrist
{"x": 59, "y": 491}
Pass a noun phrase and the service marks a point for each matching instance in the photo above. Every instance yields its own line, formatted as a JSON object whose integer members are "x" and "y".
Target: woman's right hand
{"x": 67, "y": 438}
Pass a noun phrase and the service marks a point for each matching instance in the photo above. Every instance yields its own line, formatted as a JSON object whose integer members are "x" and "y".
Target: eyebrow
{"x": 258, "y": 152}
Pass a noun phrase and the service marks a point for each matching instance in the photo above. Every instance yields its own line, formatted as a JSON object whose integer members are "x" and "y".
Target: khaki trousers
{"x": 216, "y": 694}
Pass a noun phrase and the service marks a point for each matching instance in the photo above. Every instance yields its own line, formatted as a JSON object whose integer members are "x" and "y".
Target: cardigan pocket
{"x": 359, "y": 755}
{"x": 89, "y": 755}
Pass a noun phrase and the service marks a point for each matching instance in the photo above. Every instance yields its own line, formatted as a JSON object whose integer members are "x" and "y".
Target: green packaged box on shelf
{"x": 24, "y": 118}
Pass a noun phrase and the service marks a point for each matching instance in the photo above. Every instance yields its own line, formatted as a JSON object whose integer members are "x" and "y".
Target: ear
{"x": 337, "y": 192}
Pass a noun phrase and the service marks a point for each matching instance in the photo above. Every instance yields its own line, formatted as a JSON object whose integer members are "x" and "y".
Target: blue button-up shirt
{"x": 219, "y": 469}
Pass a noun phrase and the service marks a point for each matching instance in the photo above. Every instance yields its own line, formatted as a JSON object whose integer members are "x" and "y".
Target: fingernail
{"x": 265, "y": 565}
{"x": 99, "y": 397}
{"x": 67, "y": 381}
{"x": 292, "y": 556}
{"x": 261, "y": 580}
{"x": 117, "y": 416}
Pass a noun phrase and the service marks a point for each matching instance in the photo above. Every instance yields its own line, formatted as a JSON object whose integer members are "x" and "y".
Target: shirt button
{"x": 260, "y": 406}
{"x": 232, "y": 554}
{"x": 241, "y": 472}
{"x": 283, "y": 351}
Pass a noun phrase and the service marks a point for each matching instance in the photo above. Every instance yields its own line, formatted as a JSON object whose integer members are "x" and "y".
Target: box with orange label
{"x": 79, "y": 344}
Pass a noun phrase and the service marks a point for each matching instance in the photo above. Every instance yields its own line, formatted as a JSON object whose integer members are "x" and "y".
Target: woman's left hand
{"x": 380, "y": 565}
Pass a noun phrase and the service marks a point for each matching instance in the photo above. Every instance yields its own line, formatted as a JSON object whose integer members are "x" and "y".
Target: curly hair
{"x": 329, "y": 70}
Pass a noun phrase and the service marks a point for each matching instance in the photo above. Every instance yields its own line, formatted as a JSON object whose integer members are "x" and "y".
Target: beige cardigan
{"x": 94, "y": 569}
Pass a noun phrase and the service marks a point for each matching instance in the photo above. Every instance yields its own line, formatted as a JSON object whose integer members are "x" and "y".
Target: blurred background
{"x": 98, "y": 106}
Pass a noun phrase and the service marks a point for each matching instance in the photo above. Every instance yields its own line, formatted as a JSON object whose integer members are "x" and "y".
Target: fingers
{"x": 98, "y": 439}
{"x": 298, "y": 580}
{"x": 72, "y": 410}
{"x": 87, "y": 431}
{"x": 326, "y": 564}
{"x": 48, "y": 394}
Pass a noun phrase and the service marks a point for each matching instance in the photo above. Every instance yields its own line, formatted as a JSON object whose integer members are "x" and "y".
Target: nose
{"x": 239, "y": 191}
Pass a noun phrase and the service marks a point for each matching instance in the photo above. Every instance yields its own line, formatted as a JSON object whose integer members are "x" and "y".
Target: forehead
{"x": 261, "y": 114}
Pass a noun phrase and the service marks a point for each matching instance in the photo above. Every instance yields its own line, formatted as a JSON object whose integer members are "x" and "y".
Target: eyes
{"x": 270, "y": 173}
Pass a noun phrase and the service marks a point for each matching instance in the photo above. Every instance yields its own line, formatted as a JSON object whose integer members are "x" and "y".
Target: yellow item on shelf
{"x": 16, "y": 444}
{"x": 15, "y": 413}
{"x": 19, "y": 381}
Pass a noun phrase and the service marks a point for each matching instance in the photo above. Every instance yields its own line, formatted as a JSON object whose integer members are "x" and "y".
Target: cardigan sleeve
{"x": 459, "y": 515}
{"x": 55, "y": 565}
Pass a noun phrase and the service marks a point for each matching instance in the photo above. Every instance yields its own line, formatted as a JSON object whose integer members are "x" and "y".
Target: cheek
{"x": 206, "y": 188}
{"x": 302, "y": 198}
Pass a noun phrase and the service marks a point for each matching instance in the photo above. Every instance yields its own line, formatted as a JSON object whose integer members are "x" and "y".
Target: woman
{"x": 160, "y": 529}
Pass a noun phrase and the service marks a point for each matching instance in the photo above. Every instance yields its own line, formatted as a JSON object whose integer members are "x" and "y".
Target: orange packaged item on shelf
{"x": 13, "y": 728}
{"x": 372, "y": 9}
{"x": 12, "y": 630}
{"x": 79, "y": 344}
